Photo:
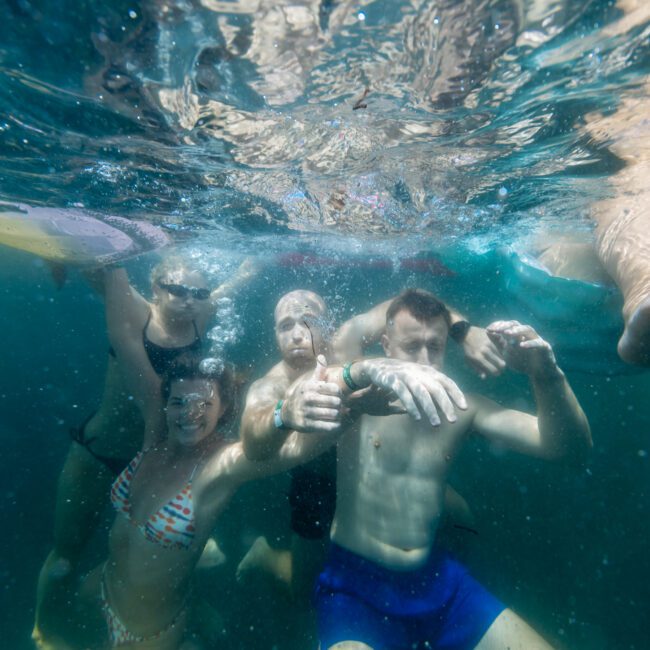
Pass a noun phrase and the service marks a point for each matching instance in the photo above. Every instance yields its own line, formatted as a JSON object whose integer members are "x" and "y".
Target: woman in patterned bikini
{"x": 168, "y": 500}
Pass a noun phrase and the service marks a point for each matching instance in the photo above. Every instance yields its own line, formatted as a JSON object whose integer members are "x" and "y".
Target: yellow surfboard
{"x": 76, "y": 237}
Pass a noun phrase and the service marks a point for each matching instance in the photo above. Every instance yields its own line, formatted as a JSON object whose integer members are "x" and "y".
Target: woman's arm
{"x": 96, "y": 279}
{"x": 125, "y": 320}
{"x": 247, "y": 270}
{"x": 230, "y": 468}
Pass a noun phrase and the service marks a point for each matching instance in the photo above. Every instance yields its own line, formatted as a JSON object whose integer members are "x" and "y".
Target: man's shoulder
{"x": 475, "y": 400}
{"x": 480, "y": 405}
{"x": 276, "y": 379}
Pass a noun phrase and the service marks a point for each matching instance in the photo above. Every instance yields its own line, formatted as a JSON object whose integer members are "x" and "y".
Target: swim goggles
{"x": 181, "y": 291}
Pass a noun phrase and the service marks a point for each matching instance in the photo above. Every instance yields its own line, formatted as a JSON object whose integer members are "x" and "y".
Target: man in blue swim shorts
{"x": 386, "y": 586}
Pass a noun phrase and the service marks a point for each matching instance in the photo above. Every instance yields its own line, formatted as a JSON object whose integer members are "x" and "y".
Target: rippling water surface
{"x": 422, "y": 120}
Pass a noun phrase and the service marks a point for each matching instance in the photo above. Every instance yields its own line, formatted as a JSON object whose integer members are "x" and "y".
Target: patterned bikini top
{"x": 173, "y": 525}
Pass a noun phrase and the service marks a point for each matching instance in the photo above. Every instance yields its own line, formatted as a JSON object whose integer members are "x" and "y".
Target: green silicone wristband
{"x": 347, "y": 377}
{"x": 277, "y": 416}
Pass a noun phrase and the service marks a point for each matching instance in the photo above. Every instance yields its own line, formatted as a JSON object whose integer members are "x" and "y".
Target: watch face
{"x": 458, "y": 331}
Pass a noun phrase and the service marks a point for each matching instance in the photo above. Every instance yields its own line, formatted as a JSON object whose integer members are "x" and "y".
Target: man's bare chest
{"x": 398, "y": 445}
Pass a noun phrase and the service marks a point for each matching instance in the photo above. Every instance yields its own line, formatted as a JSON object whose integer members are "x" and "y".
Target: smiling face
{"x": 176, "y": 294}
{"x": 299, "y": 325}
{"x": 193, "y": 410}
{"x": 409, "y": 339}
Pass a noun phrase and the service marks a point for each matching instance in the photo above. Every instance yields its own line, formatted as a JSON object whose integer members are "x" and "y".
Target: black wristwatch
{"x": 458, "y": 331}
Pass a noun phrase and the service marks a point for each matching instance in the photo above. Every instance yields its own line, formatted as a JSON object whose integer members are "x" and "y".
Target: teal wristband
{"x": 347, "y": 377}
{"x": 277, "y": 416}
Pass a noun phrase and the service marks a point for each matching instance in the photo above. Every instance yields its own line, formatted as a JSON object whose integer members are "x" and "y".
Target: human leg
{"x": 510, "y": 631}
{"x": 361, "y": 602}
{"x": 312, "y": 498}
{"x": 82, "y": 493}
{"x": 263, "y": 557}
{"x": 624, "y": 248}
{"x": 623, "y": 243}
{"x": 345, "y": 621}
{"x": 212, "y": 555}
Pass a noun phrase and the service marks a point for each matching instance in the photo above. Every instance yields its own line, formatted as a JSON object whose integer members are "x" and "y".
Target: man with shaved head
{"x": 272, "y": 409}
{"x": 301, "y": 325}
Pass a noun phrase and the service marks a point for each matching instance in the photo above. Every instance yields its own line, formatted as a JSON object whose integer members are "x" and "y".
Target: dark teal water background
{"x": 564, "y": 547}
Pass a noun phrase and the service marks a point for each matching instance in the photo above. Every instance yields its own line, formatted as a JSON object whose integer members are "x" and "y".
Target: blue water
{"x": 231, "y": 124}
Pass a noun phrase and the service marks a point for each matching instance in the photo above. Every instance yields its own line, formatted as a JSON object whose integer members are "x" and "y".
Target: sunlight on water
{"x": 206, "y": 109}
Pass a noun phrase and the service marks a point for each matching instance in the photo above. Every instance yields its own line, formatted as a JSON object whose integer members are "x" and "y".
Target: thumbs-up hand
{"x": 320, "y": 372}
{"x": 312, "y": 403}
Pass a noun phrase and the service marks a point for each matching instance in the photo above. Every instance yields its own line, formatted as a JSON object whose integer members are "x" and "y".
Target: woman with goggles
{"x": 156, "y": 333}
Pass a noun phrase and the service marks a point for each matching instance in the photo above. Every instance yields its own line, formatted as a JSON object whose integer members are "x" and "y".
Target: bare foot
{"x": 634, "y": 346}
{"x": 257, "y": 558}
{"x": 212, "y": 555}
{"x": 51, "y": 643}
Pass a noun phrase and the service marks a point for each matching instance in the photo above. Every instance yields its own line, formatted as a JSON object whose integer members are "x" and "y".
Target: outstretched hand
{"x": 523, "y": 349}
{"x": 313, "y": 404}
{"x": 423, "y": 390}
{"x": 481, "y": 353}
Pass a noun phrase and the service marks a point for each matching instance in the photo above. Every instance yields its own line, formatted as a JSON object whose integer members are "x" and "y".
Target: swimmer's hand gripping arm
{"x": 310, "y": 404}
{"x": 360, "y": 332}
{"x": 561, "y": 429}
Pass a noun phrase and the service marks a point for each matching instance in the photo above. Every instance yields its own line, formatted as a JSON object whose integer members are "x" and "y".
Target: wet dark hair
{"x": 191, "y": 366}
{"x": 421, "y": 304}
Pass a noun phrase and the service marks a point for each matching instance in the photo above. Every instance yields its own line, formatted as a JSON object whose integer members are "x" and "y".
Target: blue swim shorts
{"x": 437, "y": 606}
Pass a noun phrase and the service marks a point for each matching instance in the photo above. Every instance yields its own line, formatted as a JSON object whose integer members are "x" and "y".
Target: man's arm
{"x": 362, "y": 331}
{"x": 314, "y": 403}
{"x": 272, "y": 410}
{"x": 561, "y": 429}
{"x": 260, "y": 437}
